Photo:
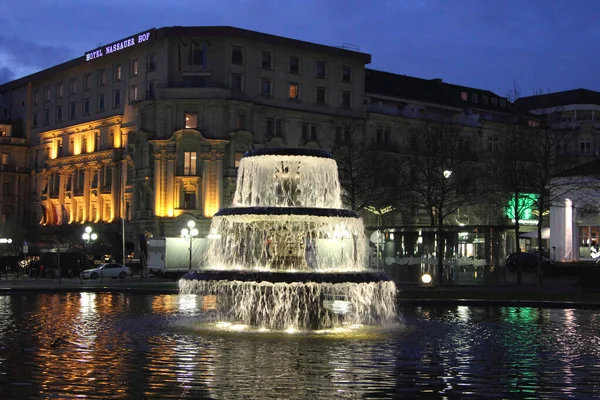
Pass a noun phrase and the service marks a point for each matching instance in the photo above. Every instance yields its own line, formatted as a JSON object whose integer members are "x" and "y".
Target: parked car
{"x": 109, "y": 270}
{"x": 527, "y": 262}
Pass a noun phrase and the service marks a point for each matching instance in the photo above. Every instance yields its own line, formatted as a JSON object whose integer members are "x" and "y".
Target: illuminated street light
{"x": 447, "y": 173}
{"x": 190, "y": 232}
{"x": 5, "y": 241}
{"x": 88, "y": 237}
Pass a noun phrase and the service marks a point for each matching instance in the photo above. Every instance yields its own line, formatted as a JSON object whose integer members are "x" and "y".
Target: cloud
{"x": 29, "y": 54}
{"x": 6, "y": 74}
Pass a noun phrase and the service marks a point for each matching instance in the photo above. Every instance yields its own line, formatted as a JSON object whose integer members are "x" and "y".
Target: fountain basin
{"x": 287, "y": 277}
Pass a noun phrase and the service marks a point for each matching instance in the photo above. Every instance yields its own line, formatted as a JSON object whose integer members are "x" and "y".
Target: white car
{"x": 109, "y": 270}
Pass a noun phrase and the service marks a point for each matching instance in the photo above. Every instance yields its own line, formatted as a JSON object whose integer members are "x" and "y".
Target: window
{"x": 87, "y": 82}
{"x": 72, "y": 109}
{"x": 309, "y": 131}
{"x": 294, "y": 91}
{"x": 150, "y": 63}
{"x": 36, "y": 97}
{"x": 464, "y": 96}
{"x": 73, "y": 86}
{"x": 34, "y": 119}
{"x": 86, "y": 106}
{"x": 5, "y": 192}
{"x": 101, "y": 78}
{"x": 346, "y": 74}
{"x": 59, "y": 115}
{"x": 484, "y": 100}
{"x": 191, "y": 120}
{"x": 342, "y": 134}
{"x": 294, "y": 65}
{"x": 101, "y": 102}
{"x": 321, "y": 69}
{"x": 196, "y": 56}
{"x": 474, "y": 98}
{"x": 274, "y": 127}
{"x": 267, "y": 60}
{"x": 46, "y": 116}
{"x": 59, "y": 90}
{"x": 118, "y": 72}
{"x": 189, "y": 163}
{"x": 321, "y": 95}
{"x": 189, "y": 201}
{"x": 494, "y": 101}
{"x": 134, "y": 68}
{"x": 116, "y": 99}
{"x": 502, "y": 103}
{"x": 46, "y": 94}
{"x": 133, "y": 96}
{"x": 265, "y": 87}
{"x": 240, "y": 122}
{"x": 585, "y": 147}
{"x": 150, "y": 92}
{"x": 96, "y": 141}
{"x": 346, "y": 99}
{"x": 493, "y": 144}
{"x": 236, "y": 82}
{"x": 5, "y": 158}
{"x": 237, "y": 55}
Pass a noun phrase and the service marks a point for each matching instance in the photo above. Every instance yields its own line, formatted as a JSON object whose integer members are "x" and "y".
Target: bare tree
{"x": 438, "y": 174}
{"x": 365, "y": 174}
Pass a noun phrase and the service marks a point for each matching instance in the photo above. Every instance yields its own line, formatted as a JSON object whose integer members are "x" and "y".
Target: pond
{"x": 106, "y": 345}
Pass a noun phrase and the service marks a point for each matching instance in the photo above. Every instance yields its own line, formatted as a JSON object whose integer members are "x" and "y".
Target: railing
{"x": 13, "y": 140}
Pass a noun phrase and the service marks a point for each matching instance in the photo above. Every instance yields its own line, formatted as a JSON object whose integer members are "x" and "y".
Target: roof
{"x": 178, "y": 31}
{"x": 549, "y": 100}
{"x": 425, "y": 90}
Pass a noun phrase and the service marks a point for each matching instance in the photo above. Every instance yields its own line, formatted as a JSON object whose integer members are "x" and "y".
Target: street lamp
{"x": 88, "y": 237}
{"x": 190, "y": 232}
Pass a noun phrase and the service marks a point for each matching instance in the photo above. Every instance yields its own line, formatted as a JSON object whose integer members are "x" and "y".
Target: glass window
{"x": 321, "y": 69}
{"x": 236, "y": 82}
{"x": 294, "y": 91}
{"x": 237, "y": 55}
{"x": 191, "y": 120}
{"x": 321, "y": 95}
{"x": 346, "y": 99}
{"x": 117, "y": 99}
{"x": 134, "y": 68}
{"x": 101, "y": 78}
{"x": 118, "y": 72}
{"x": 294, "y": 65}
{"x": 346, "y": 74}
{"x": 265, "y": 87}
{"x": 267, "y": 60}
{"x": 150, "y": 63}
{"x": 189, "y": 163}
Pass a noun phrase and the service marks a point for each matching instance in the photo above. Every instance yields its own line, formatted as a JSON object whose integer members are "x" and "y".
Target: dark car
{"x": 526, "y": 262}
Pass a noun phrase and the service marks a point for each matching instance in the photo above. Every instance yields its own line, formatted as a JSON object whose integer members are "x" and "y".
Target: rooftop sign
{"x": 120, "y": 45}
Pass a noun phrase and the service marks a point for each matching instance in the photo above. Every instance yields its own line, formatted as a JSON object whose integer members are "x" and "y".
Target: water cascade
{"x": 286, "y": 256}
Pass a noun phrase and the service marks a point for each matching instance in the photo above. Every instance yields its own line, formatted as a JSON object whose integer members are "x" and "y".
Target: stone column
{"x": 170, "y": 201}
{"x": 220, "y": 182}
{"x": 114, "y": 191}
{"x": 87, "y": 184}
{"x": 157, "y": 188}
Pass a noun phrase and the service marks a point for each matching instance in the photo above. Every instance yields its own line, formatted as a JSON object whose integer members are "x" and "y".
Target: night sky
{"x": 539, "y": 44}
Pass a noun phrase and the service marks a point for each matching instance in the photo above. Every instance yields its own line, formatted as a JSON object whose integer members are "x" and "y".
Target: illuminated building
{"x": 151, "y": 127}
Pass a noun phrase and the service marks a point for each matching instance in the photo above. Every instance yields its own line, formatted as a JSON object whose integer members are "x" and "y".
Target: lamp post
{"x": 88, "y": 237}
{"x": 190, "y": 232}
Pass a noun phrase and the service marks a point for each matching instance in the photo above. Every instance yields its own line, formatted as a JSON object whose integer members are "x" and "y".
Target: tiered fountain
{"x": 286, "y": 255}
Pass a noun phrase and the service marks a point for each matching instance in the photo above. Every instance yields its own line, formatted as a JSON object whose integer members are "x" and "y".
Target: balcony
{"x": 16, "y": 141}
{"x": 193, "y": 93}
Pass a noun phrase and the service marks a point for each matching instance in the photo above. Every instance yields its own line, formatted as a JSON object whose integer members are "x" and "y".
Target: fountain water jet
{"x": 286, "y": 256}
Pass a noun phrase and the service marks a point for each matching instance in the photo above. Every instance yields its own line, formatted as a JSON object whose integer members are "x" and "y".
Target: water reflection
{"x": 111, "y": 345}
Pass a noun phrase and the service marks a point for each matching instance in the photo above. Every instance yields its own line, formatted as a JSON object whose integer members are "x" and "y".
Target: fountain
{"x": 286, "y": 256}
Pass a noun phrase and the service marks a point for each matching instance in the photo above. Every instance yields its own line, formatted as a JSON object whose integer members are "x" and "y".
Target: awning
{"x": 534, "y": 234}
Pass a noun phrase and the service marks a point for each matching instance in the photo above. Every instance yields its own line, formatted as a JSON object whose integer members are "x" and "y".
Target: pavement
{"x": 553, "y": 292}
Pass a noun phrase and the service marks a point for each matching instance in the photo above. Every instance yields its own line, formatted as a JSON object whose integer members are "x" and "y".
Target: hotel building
{"x": 150, "y": 129}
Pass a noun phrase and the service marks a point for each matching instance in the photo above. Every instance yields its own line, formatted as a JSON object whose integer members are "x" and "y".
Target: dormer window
{"x": 474, "y": 98}
{"x": 464, "y": 96}
{"x": 494, "y": 101}
{"x": 502, "y": 103}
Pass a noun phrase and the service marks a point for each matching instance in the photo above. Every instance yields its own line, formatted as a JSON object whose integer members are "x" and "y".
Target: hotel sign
{"x": 120, "y": 45}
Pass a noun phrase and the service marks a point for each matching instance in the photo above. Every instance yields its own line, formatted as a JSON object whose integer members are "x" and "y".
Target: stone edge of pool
{"x": 409, "y": 297}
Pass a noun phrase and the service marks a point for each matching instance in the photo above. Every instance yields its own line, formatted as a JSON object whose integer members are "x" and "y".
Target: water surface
{"x": 150, "y": 346}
